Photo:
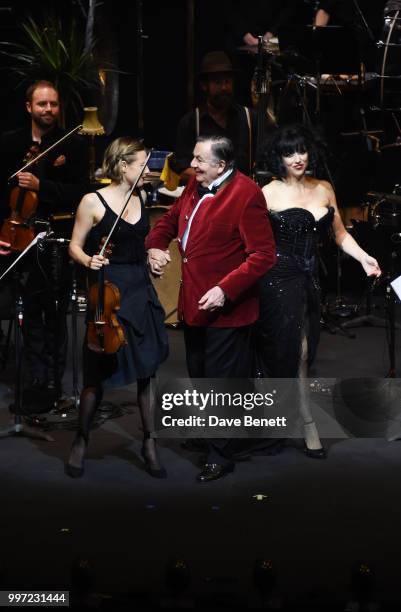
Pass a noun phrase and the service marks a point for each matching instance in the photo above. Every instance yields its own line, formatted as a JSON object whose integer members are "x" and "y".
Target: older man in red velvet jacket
{"x": 226, "y": 244}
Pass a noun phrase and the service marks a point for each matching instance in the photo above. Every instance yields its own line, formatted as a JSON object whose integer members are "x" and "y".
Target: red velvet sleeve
{"x": 257, "y": 236}
{"x": 166, "y": 229}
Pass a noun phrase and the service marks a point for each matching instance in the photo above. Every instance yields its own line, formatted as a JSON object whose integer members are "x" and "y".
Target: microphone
{"x": 60, "y": 240}
{"x": 49, "y": 238}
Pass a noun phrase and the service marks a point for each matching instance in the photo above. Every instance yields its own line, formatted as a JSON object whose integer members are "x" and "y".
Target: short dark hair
{"x": 222, "y": 149}
{"x": 36, "y": 85}
{"x": 285, "y": 142}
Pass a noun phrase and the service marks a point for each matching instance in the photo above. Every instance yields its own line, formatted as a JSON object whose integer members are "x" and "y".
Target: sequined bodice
{"x": 290, "y": 293}
{"x": 296, "y": 232}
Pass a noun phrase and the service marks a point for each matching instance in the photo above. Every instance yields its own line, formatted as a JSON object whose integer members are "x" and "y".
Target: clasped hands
{"x": 211, "y": 300}
{"x": 157, "y": 260}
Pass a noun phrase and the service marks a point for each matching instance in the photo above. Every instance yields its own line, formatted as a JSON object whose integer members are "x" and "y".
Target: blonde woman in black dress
{"x": 140, "y": 314}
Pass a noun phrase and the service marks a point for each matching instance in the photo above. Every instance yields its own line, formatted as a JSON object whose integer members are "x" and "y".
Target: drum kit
{"x": 305, "y": 62}
{"x": 325, "y": 61}
{"x": 384, "y": 216}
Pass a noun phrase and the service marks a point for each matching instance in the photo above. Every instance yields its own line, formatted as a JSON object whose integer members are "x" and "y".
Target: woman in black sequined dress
{"x": 140, "y": 314}
{"x": 300, "y": 207}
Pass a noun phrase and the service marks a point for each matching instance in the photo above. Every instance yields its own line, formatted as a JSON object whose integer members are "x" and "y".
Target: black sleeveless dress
{"x": 290, "y": 294}
{"x": 141, "y": 313}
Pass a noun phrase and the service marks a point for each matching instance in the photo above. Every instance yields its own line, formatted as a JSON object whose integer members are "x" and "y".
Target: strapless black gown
{"x": 290, "y": 294}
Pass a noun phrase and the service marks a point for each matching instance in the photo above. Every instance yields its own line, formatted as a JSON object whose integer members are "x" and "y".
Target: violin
{"x": 17, "y": 230}
{"x": 105, "y": 332}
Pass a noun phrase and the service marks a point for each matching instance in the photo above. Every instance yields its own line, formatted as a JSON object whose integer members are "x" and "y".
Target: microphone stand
{"x": 363, "y": 20}
{"x": 74, "y": 335}
{"x": 19, "y": 428}
{"x": 59, "y": 303}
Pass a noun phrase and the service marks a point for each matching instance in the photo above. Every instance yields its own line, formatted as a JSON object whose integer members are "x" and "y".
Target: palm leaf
{"x": 56, "y": 52}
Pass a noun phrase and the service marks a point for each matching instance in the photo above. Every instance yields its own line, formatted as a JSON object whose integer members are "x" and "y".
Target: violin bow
{"x": 35, "y": 159}
{"x": 131, "y": 191}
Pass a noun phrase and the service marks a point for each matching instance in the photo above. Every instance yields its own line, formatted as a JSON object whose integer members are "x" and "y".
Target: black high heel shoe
{"x": 72, "y": 470}
{"x": 151, "y": 462}
{"x": 315, "y": 453}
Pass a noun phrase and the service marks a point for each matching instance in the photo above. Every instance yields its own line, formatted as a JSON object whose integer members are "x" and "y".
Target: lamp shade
{"x": 91, "y": 125}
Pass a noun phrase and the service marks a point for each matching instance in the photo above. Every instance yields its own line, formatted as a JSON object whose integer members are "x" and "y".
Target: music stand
{"x": 369, "y": 319}
{"x": 19, "y": 428}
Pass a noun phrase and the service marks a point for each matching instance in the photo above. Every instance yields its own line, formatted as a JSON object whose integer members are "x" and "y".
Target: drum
{"x": 387, "y": 214}
{"x": 391, "y": 57}
{"x": 168, "y": 285}
{"x": 349, "y": 214}
{"x": 62, "y": 224}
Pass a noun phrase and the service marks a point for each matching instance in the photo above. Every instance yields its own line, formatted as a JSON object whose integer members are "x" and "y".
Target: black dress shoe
{"x": 315, "y": 453}
{"x": 214, "y": 471}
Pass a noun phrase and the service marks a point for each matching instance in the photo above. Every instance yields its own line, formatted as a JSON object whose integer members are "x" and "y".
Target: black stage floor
{"x": 315, "y": 519}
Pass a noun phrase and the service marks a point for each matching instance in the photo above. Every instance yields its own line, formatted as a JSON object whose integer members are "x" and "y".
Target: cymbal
{"x": 393, "y": 145}
{"x": 254, "y": 49}
{"x": 362, "y": 133}
{"x": 389, "y": 197}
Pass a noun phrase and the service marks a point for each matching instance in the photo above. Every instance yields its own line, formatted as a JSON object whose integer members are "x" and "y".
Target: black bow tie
{"x": 204, "y": 190}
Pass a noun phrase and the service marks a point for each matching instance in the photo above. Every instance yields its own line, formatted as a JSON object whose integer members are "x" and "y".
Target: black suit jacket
{"x": 63, "y": 172}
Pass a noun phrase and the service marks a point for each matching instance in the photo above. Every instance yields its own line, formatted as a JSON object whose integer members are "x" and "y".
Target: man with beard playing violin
{"x": 59, "y": 181}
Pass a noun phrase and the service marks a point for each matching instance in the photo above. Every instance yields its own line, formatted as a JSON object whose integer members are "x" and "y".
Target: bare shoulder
{"x": 272, "y": 192}
{"x": 272, "y": 188}
{"x": 89, "y": 201}
{"x": 324, "y": 186}
{"x": 88, "y": 206}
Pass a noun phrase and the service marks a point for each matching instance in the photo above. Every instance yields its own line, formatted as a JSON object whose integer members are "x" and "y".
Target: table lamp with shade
{"x": 92, "y": 127}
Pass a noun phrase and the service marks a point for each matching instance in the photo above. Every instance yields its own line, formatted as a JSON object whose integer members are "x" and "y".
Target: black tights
{"x": 89, "y": 402}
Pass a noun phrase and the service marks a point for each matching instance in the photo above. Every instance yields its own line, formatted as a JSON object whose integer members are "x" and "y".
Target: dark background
{"x": 166, "y": 60}
{"x": 317, "y": 519}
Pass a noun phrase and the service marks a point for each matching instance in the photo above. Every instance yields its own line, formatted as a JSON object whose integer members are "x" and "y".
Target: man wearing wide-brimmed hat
{"x": 219, "y": 115}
